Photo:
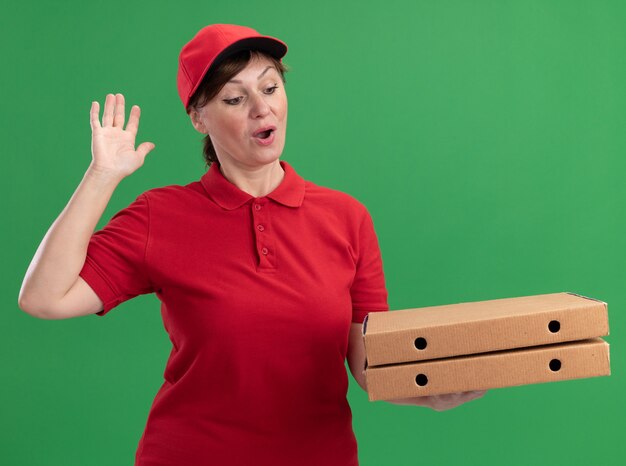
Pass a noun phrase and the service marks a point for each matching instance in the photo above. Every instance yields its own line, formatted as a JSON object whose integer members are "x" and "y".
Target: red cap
{"x": 211, "y": 45}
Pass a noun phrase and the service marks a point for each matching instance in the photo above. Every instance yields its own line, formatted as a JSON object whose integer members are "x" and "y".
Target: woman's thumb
{"x": 144, "y": 148}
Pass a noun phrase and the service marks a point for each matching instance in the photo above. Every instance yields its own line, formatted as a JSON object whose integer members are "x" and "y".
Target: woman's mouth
{"x": 266, "y": 137}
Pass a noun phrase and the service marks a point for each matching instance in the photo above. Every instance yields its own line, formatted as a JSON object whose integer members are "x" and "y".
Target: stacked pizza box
{"x": 484, "y": 345}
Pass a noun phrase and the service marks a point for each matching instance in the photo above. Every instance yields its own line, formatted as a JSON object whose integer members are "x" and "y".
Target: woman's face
{"x": 242, "y": 108}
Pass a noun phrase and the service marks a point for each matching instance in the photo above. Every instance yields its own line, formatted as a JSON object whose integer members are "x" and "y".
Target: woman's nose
{"x": 259, "y": 105}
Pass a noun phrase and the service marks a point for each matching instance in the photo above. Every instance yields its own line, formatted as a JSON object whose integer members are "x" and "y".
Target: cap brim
{"x": 270, "y": 45}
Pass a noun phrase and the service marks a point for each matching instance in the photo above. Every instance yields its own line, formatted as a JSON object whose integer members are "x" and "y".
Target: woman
{"x": 264, "y": 278}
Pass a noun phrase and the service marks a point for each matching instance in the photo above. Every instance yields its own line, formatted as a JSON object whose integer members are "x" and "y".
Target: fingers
{"x": 144, "y": 148}
{"x": 133, "y": 120}
{"x": 469, "y": 396}
{"x": 94, "y": 119}
{"x": 114, "y": 114}
{"x": 107, "y": 115}
{"x": 118, "y": 115}
{"x": 452, "y": 400}
{"x": 113, "y": 111}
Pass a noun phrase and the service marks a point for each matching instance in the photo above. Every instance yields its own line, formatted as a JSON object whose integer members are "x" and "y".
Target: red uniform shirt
{"x": 257, "y": 295}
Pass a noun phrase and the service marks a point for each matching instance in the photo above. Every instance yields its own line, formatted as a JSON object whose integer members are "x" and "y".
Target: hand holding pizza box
{"x": 484, "y": 345}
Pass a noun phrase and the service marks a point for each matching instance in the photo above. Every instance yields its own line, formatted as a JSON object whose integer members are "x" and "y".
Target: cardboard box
{"x": 478, "y": 327}
{"x": 563, "y": 361}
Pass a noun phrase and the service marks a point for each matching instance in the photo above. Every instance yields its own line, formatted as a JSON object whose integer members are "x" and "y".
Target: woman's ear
{"x": 197, "y": 123}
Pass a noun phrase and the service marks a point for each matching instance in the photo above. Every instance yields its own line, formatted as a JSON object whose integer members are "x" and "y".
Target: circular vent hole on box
{"x": 420, "y": 343}
{"x": 421, "y": 380}
{"x": 555, "y": 365}
{"x": 554, "y": 326}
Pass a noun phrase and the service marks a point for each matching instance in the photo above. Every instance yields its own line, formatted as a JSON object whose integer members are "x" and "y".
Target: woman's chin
{"x": 269, "y": 158}
{"x": 257, "y": 159}
{"x": 269, "y": 153}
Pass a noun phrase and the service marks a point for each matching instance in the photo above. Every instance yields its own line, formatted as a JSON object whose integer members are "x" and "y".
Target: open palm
{"x": 112, "y": 146}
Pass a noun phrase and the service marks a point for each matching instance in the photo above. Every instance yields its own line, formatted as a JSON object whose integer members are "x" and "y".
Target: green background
{"x": 487, "y": 139}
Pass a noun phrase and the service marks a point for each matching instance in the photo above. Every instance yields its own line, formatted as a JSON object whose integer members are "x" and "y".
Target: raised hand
{"x": 112, "y": 146}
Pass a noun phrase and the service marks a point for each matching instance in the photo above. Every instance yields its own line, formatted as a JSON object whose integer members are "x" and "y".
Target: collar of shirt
{"x": 289, "y": 192}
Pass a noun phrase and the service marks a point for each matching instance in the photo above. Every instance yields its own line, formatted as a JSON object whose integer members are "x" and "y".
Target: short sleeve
{"x": 115, "y": 266}
{"x": 368, "y": 290}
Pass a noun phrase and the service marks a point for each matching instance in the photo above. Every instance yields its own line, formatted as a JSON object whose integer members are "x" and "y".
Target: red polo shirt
{"x": 257, "y": 295}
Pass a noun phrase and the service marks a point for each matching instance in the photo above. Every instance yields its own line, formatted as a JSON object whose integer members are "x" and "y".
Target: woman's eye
{"x": 235, "y": 100}
{"x": 232, "y": 101}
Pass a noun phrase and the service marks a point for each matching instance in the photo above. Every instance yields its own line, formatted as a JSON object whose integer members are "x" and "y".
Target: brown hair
{"x": 214, "y": 82}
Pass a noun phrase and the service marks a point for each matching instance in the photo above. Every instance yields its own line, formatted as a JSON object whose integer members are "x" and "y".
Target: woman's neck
{"x": 257, "y": 182}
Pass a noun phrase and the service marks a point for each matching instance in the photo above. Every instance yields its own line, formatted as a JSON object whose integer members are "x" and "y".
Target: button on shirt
{"x": 257, "y": 296}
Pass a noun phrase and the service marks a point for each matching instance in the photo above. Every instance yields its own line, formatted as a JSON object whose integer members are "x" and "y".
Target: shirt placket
{"x": 264, "y": 235}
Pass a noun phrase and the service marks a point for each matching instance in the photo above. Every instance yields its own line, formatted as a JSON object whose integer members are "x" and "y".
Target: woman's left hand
{"x": 441, "y": 402}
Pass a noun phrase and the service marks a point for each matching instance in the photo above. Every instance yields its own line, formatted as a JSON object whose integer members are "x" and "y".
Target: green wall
{"x": 487, "y": 139}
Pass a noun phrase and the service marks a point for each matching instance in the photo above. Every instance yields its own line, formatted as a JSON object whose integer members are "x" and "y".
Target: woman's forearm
{"x": 61, "y": 254}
